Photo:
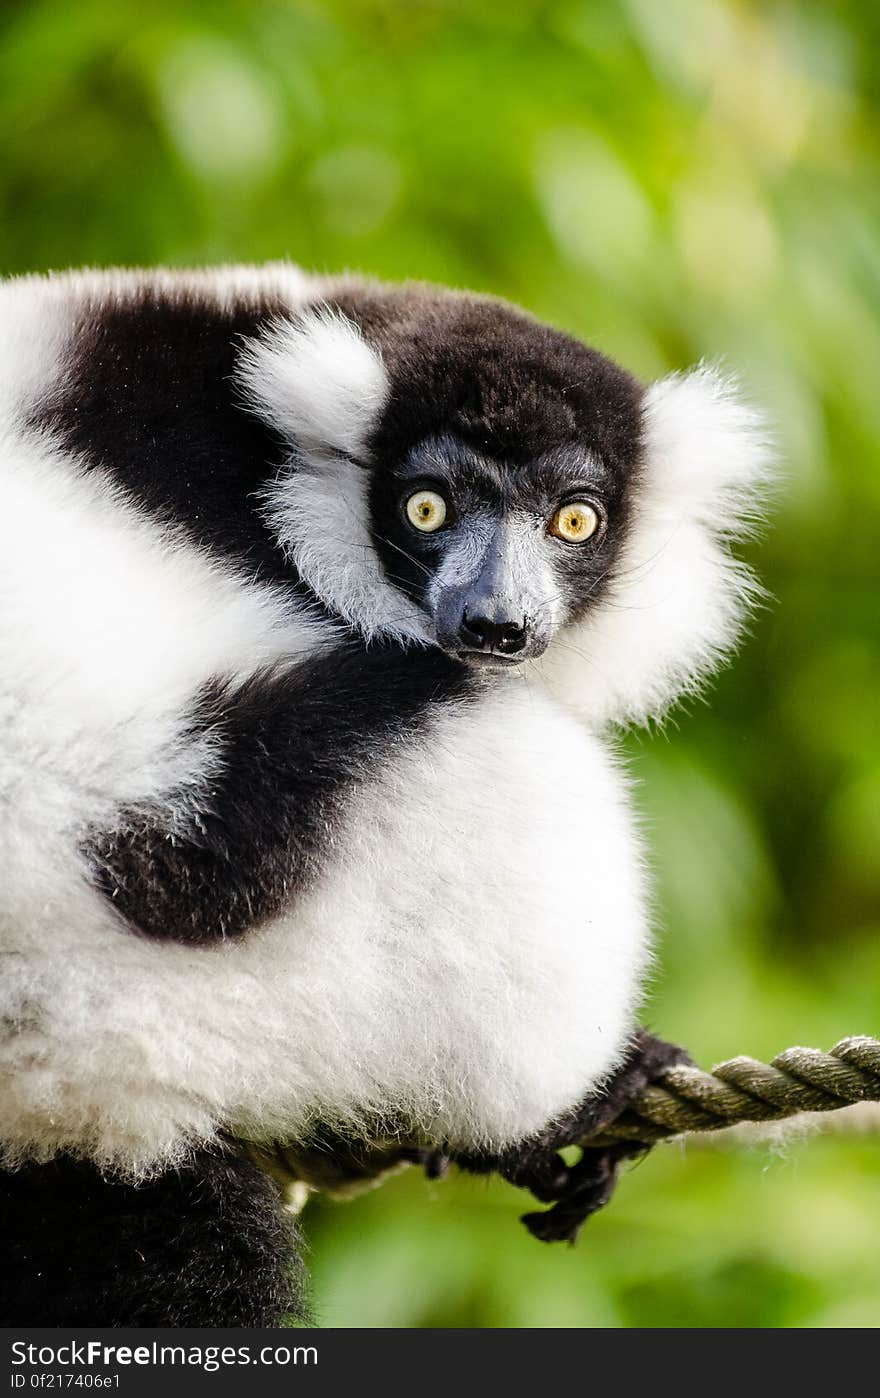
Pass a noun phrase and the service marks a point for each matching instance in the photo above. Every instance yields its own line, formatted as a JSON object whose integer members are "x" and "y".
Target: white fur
{"x": 35, "y": 325}
{"x": 320, "y": 513}
{"x": 319, "y": 382}
{"x": 678, "y": 598}
{"x": 26, "y": 300}
{"x": 471, "y": 958}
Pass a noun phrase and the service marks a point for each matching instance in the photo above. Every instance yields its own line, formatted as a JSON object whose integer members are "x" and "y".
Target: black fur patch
{"x": 488, "y": 373}
{"x": 210, "y": 1245}
{"x": 293, "y": 742}
{"x": 149, "y": 398}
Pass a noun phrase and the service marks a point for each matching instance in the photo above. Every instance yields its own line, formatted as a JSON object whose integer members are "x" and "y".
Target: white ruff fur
{"x": 678, "y": 598}
{"x": 471, "y": 957}
{"x": 471, "y": 961}
{"x": 323, "y": 387}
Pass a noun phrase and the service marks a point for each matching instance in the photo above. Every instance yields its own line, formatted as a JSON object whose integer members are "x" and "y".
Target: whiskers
{"x": 383, "y": 539}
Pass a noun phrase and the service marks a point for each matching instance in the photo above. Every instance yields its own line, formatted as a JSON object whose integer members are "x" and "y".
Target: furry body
{"x": 273, "y": 858}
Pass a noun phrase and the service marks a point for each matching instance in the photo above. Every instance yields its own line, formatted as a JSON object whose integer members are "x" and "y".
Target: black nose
{"x": 503, "y": 637}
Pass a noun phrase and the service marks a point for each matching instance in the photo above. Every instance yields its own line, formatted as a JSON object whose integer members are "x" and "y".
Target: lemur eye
{"x": 575, "y": 522}
{"x": 426, "y": 511}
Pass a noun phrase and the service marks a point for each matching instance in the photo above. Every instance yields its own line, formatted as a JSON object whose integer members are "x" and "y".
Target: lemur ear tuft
{"x": 678, "y": 599}
{"x": 315, "y": 378}
{"x": 708, "y": 452}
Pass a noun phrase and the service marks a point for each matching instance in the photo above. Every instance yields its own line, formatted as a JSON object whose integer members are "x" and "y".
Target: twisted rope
{"x": 685, "y": 1099}
{"x": 682, "y": 1099}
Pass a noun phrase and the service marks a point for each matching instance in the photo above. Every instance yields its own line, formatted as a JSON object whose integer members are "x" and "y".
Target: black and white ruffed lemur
{"x": 318, "y": 600}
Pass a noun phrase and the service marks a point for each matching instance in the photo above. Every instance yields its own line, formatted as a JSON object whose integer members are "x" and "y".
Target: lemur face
{"x": 498, "y": 555}
{"x": 463, "y": 475}
{"x": 501, "y": 466}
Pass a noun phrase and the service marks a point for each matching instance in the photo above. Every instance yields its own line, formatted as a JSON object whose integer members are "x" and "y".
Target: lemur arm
{"x": 221, "y": 857}
{"x": 579, "y": 1190}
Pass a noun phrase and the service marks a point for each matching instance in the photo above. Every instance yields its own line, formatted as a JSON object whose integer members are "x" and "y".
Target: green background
{"x": 670, "y": 181}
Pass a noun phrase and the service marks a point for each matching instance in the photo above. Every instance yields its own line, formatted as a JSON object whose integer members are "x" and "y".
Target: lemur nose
{"x": 503, "y": 637}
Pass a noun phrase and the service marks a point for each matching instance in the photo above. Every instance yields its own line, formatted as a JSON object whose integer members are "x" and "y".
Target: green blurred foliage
{"x": 670, "y": 181}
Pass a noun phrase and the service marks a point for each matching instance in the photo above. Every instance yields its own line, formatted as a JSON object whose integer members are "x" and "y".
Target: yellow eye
{"x": 575, "y": 522}
{"x": 426, "y": 510}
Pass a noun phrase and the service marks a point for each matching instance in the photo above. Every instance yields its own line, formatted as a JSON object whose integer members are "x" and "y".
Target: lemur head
{"x": 463, "y": 476}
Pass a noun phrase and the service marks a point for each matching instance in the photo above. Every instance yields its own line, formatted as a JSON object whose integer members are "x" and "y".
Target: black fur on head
{"x": 490, "y": 374}
{"x": 507, "y": 420}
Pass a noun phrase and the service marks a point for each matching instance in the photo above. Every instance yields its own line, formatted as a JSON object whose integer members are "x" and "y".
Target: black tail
{"x": 208, "y": 1245}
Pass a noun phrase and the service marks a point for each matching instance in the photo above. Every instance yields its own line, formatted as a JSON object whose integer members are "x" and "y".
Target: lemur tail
{"x": 207, "y": 1245}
